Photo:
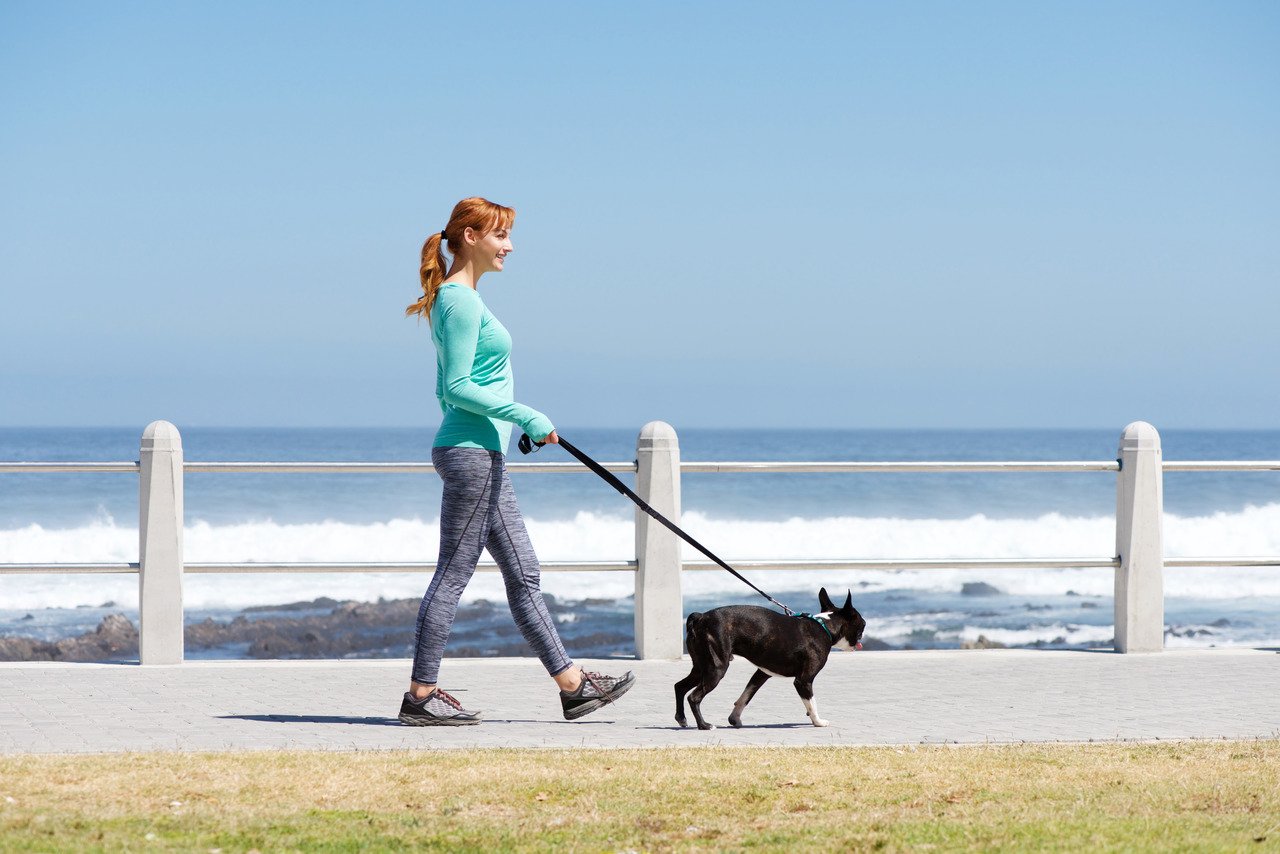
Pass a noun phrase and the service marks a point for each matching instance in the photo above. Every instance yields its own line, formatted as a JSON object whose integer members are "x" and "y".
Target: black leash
{"x": 527, "y": 446}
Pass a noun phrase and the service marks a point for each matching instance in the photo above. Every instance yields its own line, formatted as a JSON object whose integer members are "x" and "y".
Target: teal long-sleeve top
{"x": 474, "y": 383}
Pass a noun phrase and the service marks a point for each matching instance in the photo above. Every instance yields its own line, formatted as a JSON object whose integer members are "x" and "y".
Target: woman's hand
{"x": 551, "y": 439}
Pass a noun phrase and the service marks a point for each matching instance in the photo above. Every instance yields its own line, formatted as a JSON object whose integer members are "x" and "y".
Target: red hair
{"x": 479, "y": 215}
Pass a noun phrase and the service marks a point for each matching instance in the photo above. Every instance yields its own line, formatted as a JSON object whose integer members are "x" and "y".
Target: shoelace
{"x": 592, "y": 677}
{"x": 447, "y": 697}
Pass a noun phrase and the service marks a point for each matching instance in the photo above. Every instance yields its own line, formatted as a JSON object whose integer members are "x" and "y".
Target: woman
{"x": 478, "y": 509}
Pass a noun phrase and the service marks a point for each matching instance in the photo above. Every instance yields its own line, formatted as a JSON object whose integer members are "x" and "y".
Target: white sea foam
{"x": 1070, "y": 633}
{"x": 1253, "y": 531}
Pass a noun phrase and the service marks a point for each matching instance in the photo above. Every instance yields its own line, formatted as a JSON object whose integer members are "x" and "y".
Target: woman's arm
{"x": 460, "y": 335}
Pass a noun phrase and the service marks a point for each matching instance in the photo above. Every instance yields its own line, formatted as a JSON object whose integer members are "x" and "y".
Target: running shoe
{"x": 596, "y": 690}
{"x": 437, "y": 709}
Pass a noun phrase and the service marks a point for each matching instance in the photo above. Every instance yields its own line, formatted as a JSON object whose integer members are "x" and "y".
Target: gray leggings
{"x": 479, "y": 511}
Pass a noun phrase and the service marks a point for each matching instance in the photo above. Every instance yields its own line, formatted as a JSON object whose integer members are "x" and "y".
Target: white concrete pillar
{"x": 659, "y": 602}
{"x": 160, "y": 620}
{"x": 1139, "y": 607}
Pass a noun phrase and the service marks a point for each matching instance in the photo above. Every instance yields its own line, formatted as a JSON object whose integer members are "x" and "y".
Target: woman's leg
{"x": 510, "y": 546}
{"x": 469, "y": 476}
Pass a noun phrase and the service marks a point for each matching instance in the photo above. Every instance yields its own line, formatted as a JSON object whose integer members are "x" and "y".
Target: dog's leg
{"x": 804, "y": 687}
{"x": 757, "y": 679}
{"x": 710, "y": 679}
{"x": 711, "y": 653}
{"x": 700, "y": 644}
{"x": 696, "y": 695}
{"x": 811, "y": 706}
{"x": 682, "y": 688}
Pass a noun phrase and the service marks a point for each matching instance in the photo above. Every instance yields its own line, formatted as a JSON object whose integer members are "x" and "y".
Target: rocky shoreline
{"x": 326, "y": 628}
{"x": 116, "y": 637}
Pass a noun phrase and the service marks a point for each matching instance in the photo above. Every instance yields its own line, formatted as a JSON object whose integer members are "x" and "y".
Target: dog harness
{"x": 819, "y": 622}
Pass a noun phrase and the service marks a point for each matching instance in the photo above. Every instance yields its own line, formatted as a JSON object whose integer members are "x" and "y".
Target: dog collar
{"x": 819, "y": 622}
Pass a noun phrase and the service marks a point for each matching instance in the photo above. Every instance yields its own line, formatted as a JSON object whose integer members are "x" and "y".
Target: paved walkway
{"x": 870, "y": 698}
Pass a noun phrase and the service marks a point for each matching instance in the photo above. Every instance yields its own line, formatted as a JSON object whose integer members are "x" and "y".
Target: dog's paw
{"x": 682, "y": 722}
{"x": 736, "y": 723}
{"x": 706, "y": 726}
{"x": 821, "y": 722}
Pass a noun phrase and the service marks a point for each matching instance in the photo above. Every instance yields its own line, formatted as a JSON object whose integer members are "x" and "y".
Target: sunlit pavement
{"x": 869, "y": 698}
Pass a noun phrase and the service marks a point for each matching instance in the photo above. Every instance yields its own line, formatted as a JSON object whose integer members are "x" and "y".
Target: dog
{"x": 778, "y": 645}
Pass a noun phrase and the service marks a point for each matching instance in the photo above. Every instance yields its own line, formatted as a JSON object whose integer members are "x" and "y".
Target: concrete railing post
{"x": 659, "y": 604}
{"x": 160, "y": 615}
{"x": 1139, "y": 607}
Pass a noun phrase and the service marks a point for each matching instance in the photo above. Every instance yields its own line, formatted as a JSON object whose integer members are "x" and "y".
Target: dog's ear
{"x": 824, "y": 601}
{"x": 848, "y": 602}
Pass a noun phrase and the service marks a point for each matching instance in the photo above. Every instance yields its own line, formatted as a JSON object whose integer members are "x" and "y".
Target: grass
{"x": 1184, "y": 797}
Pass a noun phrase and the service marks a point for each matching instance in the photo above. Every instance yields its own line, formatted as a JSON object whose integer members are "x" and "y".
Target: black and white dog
{"x": 778, "y": 645}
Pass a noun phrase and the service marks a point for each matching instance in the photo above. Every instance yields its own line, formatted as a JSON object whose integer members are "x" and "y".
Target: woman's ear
{"x": 469, "y": 236}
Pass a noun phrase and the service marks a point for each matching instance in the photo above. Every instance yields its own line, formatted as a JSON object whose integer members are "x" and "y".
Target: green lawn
{"x": 1178, "y": 797}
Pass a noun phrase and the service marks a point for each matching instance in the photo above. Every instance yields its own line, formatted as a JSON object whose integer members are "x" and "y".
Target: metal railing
{"x": 1139, "y": 561}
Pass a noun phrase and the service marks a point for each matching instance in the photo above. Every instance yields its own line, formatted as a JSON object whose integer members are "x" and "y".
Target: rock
{"x": 114, "y": 638}
{"x": 979, "y": 588}
{"x": 25, "y": 649}
{"x": 273, "y": 646}
{"x": 117, "y": 628}
{"x": 324, "y": 602}
{"x": 982, "y": 643}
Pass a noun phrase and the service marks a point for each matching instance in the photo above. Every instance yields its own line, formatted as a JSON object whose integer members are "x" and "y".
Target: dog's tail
{"x": 694, "y": 620}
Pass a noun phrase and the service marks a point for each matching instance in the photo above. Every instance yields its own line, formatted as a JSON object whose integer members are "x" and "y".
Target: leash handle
{"x": 526, "y": 446}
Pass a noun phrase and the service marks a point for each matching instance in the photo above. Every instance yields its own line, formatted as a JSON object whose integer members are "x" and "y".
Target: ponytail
{"x": 431, "y": 273}
{"x": 480, "y": 215}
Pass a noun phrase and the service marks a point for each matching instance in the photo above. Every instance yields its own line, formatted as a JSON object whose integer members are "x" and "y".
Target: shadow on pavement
{"x": 314, "y": 719}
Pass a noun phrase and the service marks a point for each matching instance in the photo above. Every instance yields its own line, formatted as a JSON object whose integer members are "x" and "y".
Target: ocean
{"x": 351, "y": 517}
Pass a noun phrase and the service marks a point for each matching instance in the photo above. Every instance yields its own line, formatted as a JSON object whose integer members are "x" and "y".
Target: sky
{"x": 740, "y": 214}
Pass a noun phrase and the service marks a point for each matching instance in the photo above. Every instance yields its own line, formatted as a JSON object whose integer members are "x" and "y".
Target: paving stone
{"x": 871, "y": 698}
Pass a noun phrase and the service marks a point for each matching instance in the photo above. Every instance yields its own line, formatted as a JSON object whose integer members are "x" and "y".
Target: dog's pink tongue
{"x": 858, "y": 645}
